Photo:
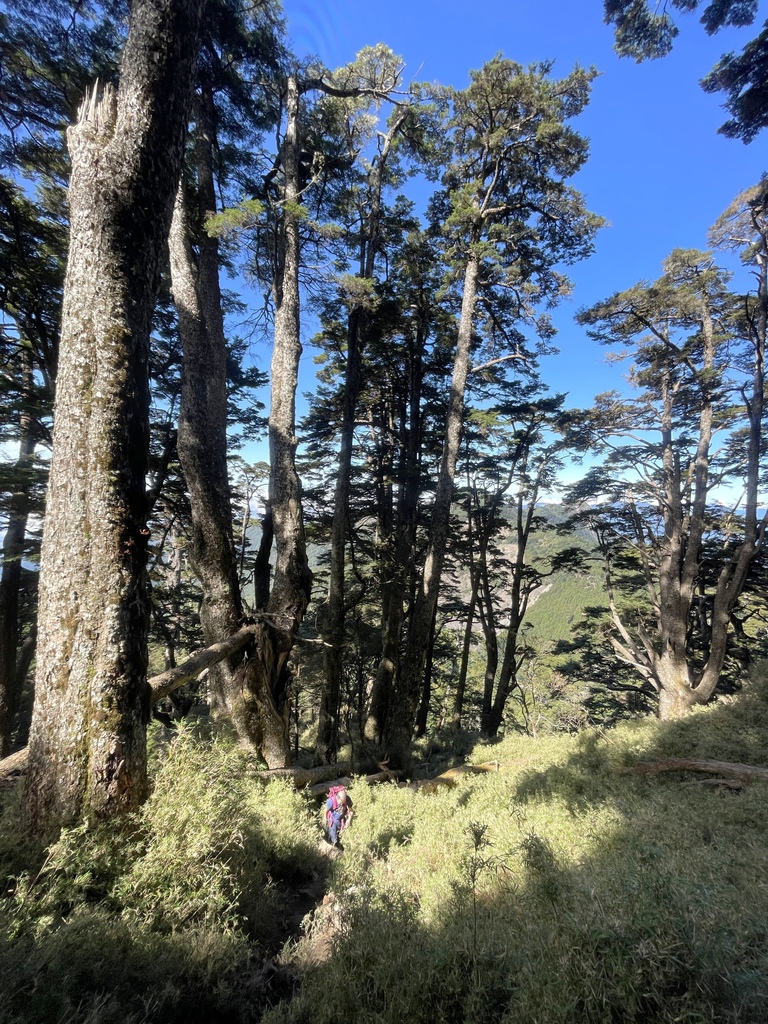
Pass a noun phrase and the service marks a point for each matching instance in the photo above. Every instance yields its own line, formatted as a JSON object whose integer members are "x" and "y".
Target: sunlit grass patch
{"x": 558, "y": 888}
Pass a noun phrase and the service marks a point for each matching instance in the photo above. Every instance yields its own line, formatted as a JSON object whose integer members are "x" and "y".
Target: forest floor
{"x": 603, "y": 874}
{"x": 302, "y": 932}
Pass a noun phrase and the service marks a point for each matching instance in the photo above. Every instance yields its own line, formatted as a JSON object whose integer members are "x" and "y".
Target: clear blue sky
{"x": 658, "y": 171}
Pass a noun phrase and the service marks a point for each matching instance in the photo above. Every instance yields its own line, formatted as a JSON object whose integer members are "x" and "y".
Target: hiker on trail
{"x": 338, "y": 813}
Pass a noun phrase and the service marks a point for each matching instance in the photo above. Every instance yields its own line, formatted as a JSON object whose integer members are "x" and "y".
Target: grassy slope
{"x": 561, "y": 605}
{"x": 557, "y": 890}
{"x": 565, "y": 595}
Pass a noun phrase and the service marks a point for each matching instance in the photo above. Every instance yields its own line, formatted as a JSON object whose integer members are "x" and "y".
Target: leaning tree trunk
{"x": 409, "y": 682}
{"x": 87, "y": 753}
{"x": 268, "y": 674}
{"x": 202, "y": 435}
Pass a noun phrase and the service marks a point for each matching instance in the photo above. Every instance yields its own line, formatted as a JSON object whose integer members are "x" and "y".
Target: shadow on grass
{"x": 734, "y": 730}
{"x": 612, "y": 899}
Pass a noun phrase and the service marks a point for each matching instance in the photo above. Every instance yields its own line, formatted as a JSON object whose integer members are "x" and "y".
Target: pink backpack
{"x": 333, "y": 794}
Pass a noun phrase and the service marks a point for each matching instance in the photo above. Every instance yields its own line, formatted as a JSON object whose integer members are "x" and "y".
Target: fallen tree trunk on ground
{"x": 450, "y": 777}
{"x": 13, "y": 766}
{"x": 729, "y": 769}
{"x": 385, "y": 775}
{"x": 324, "y": 787}
{"x": 303, "y": 777}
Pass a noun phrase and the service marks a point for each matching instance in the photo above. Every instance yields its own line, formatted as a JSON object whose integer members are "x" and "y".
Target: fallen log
{"x": 161, "y": 686}
{"x": 173, "y": 678}
{"x": 385, "y": 775}
{"x": 303, "y": 777}
{"x": 323, "y": 787}
{"x": 13, "y": 766}
{"x": 729, "y": 769}
{"x": 450, "y": 777}
{"x": 733, "y": 784}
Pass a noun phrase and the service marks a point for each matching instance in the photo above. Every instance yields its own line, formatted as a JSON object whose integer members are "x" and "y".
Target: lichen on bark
{"x": 87, "y": 752}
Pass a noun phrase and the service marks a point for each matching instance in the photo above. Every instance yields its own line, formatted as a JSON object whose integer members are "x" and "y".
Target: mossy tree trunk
{"x": 202, "y": 436}
{"x": 87, "y": 752}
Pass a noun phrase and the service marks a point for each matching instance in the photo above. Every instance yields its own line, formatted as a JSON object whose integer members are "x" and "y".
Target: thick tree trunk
{"x": 268, "y": 673}
{"x": 87, "y": 753}
{"x": 675, "y": 702}
{"x": 677, "y": 688}
{"x": 202, "y": 435}
{"x": 408, "y": 685}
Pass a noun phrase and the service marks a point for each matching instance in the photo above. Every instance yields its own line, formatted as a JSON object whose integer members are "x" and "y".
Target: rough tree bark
{"x": 202, "y": 434}
{"x": 87, "y": 752}
{"x": 267, "y": 692}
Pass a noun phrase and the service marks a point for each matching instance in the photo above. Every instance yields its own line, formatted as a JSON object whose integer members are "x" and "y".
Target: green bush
{"x": 560, "y": 888}
{"x": 157, "y": 918}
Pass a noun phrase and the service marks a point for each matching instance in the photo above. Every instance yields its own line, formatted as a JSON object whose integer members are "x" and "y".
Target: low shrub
{"x": 161, "y": 916}
{"x": 559, "y": 888}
